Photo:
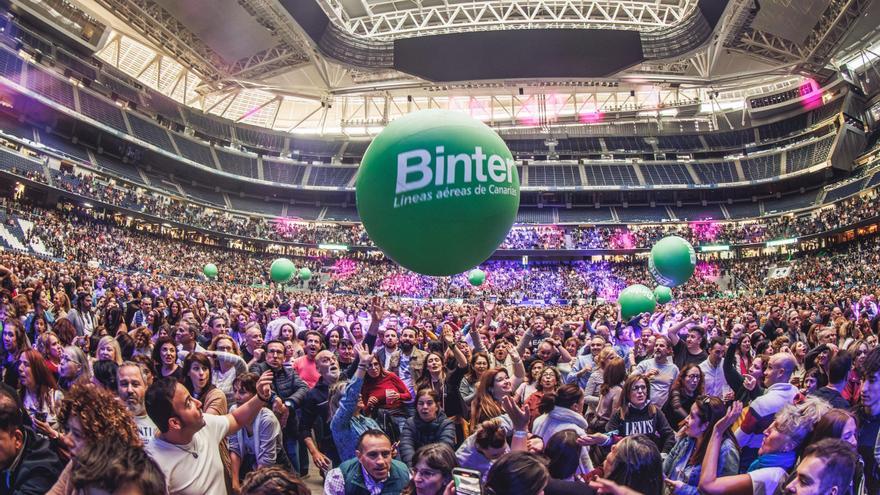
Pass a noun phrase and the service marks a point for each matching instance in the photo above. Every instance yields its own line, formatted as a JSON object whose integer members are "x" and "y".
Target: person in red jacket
{"x": 386, "y": 395}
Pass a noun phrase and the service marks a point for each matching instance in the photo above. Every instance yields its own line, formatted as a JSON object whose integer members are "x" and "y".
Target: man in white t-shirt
{"x": 186, "y": 447}
{"x": 131, "y": 387}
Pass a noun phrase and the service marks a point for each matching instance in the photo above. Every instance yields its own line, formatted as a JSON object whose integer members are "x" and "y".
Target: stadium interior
{"x": 155, "y": 136}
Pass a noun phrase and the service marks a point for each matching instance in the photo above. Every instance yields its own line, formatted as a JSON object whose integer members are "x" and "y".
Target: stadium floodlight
{"x": 333, "y": 247}
{"x": 781, "y": 242}
{"x": 714, "y": 248}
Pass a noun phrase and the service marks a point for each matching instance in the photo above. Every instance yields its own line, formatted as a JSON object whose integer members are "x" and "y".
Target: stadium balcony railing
{"x": 33, "y": 171}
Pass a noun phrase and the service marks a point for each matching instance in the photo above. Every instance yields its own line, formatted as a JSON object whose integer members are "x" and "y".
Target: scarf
{"x": 784, "y": 460}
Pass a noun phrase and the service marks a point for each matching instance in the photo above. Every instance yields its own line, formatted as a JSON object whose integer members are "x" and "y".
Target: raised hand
{"x": 363, "y": 353}
{"x": 264, "y": 384}
{"x": 733, "y": 413}
{"x": 518, "y": 416}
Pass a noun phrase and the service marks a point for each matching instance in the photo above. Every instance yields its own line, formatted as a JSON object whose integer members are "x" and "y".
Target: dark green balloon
{"x": 420, "y": 216}
{"x": 476, "y": 277}
{"x": 282, "y": 270}
{"x": 672, "y": 261}
{"x": 636, "y": 299}
{"x": 210, "y": 270}
{"x": 305, "y": 273}
{"x": 663, "y": 294}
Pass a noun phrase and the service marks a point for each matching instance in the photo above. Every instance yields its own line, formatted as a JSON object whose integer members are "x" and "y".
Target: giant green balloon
{"x": 672, "y": 261}
{"x": 305, "y": 274}
{"x": 663, "y": 294}
{"x": 476, "y": 277}
{"x": 437, "y": 191}
{"x": 210, "y": 270}
{"x": 281, "y": 270}
{"x": 636, "y": 299}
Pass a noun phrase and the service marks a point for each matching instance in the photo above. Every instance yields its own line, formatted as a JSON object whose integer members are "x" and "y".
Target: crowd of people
{"x": 716, "y": 231}
{"x": 84, "y": 235}
{"x": 125, "y": 373}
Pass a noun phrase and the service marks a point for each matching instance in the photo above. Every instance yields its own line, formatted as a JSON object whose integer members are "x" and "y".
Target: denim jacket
{"x": 675, "y": 468}
{"x": 345, "y": 426}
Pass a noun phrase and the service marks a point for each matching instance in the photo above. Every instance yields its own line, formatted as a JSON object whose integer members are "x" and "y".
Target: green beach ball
{"x": 210, "y": 270}
{"x": 281, "y": 270}
{"x": 437, "y": 191}
{"x": 672, "y": 261}
{"x": 476, "y": 277}
{"x": 636, "y": 299}
{"x": 663, "y": 294}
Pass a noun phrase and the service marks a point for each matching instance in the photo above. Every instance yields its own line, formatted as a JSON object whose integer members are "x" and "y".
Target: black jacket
{"x": 315, "y": 415}
{"x": 35, "y": 470}
{"x": 417, "y": 433}
{"x": 290, "y": 388}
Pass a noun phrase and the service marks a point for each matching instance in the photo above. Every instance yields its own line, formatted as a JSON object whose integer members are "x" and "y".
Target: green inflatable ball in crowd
{"x": 305, "y": 274}
{"x": 663, "y": 294}
{"x": 282, "y": 270}
{"x": 636, "y": 299}
{"x": 210, "y": 270}
{"x": 437, "y": 191}
{"x": 672, "y": 261}
{"x": 476, "y": 277}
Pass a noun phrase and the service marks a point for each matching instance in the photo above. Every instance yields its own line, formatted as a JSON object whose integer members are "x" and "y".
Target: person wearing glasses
{"x": 432, "y": 469}
{"x": 288, "y": 392}
{"x": 637, "y": 416}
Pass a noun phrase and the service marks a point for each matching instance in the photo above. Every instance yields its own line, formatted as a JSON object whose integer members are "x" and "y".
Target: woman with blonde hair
{"x": 109, "y": 350}
{"x": 228, "y": 364}
{"x": 60, "y": 305}
{"x": 73, "y": 368}
{"x": 50, "y": 347}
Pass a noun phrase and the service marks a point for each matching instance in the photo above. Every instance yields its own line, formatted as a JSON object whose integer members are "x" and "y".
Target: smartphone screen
{"x": 467, "y": 482}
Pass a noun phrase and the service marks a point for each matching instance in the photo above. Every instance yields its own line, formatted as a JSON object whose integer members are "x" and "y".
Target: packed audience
{"x": 124, "y": 369}
{"x": 83, "y": 235}
{"x": 842, "y": 213}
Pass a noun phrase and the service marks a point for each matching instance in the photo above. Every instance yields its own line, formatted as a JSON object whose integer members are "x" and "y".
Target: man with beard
{"x": 315, "y": 411}
{"x": 412, "y": 359}
{"x": 131, "y": 387}
{"x": 305, "y": 365}
{"x": 661, "y": 371}
{"x": 389, "y": 353}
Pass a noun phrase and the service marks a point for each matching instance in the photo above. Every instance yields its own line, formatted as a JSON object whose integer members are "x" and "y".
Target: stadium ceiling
{"x": 265, "y": 62}
{"x": 392, "y": 19}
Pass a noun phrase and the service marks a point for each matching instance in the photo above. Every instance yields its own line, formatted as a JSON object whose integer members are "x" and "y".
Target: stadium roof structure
{"x": 350, "y": 66}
